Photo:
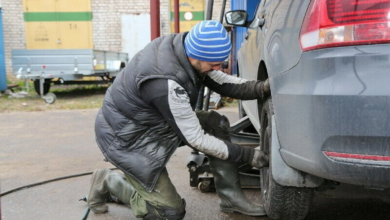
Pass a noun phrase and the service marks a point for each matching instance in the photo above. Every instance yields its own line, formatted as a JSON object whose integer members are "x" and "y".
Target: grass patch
{"x": 68, "y": 97}
{"x": 230, "y": 102}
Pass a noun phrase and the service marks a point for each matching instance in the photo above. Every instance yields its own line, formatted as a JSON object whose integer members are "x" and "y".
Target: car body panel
{"x": 335, "y": 99}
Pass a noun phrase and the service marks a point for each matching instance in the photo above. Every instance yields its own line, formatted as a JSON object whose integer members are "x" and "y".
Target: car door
{"x": 248, "y": 51}
{"x": 259, "y": 26}
{"x": 249, "y": 56}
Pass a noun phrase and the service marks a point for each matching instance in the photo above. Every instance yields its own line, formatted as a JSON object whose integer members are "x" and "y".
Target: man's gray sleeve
{"x": 173, "y": 102}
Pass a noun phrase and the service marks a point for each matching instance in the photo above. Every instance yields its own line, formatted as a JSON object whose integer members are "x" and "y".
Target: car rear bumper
{"x": 332, "y": 114}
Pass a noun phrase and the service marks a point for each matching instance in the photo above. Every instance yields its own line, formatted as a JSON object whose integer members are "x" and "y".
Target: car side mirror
{"x": 236, "y": 17}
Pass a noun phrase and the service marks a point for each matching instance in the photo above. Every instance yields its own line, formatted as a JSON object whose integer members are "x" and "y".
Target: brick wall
{"x": 13, "y": 30}
{"x": 106, "y": 23}
{"x": 165, "y": 17}
{"x": 217, "y": 8}
{"x": 107, "y": 19}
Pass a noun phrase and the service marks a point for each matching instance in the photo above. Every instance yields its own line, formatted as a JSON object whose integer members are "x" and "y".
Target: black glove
{"x": 254, "y": 157}
{"x": 263, "y": 89}
{"x": 260, "y": 159}
{"x": 266, "y": 88}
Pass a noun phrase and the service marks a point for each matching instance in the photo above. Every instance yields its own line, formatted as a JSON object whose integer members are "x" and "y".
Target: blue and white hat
{"x": 208, "y": 41}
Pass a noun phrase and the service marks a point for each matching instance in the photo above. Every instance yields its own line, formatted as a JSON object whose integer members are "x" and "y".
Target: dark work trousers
{"x": 164, "y": 195}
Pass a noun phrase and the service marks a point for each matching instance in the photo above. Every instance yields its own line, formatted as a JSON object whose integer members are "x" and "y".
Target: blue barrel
{"x": 3, "y": 77}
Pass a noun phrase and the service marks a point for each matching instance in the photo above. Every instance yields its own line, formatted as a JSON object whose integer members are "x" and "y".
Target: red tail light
{"x": 332, "y": 23}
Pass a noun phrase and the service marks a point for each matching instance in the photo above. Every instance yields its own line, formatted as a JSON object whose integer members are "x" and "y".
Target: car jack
{"x": 199, "y": 168}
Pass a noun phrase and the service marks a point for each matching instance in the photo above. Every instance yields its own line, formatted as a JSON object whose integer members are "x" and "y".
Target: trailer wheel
{"x": 50, "y": 98}
{"x": 46, "y": 86}
{"x": 280, "y": 202}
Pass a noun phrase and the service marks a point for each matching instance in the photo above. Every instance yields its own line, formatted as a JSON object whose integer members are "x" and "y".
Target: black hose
{"x": 46, "y": 181}
{"x": 85, "y": 216}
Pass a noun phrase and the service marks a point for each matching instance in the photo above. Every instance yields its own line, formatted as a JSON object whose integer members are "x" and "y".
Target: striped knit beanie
{"x": 208, "y": 41}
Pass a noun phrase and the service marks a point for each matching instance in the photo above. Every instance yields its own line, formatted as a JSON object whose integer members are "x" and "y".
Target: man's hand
{"x": 254, "y": 157}
{"x": 260, "y": 159}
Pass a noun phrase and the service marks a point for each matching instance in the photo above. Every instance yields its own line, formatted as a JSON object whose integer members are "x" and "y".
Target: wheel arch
{"x": 283, "y": 173}
{"x": 262, "y": 74}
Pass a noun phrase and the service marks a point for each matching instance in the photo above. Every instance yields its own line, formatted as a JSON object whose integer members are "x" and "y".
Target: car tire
{"x": 280, "y": 202}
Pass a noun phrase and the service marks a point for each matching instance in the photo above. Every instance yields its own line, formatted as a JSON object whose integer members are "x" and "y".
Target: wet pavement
{"x": 40, "y": 146}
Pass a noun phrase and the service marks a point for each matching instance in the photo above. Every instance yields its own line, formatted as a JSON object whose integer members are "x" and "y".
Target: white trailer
{"x": 66, "y": 66}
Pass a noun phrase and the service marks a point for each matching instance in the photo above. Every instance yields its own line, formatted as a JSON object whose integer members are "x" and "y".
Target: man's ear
{"x": 192, "y": 60}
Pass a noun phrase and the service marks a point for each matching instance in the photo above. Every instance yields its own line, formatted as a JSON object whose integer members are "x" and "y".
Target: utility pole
{"x": 176, "y": 17}
{"x": 154, "y": 19}
{"x": 199, "y": 104}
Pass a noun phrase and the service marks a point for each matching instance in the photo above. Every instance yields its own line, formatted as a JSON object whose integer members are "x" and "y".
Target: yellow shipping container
{"x": 58, "y": 24}
{"x": 190, "y": 13}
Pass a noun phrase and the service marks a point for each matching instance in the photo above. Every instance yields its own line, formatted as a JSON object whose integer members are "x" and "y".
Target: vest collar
{"x": 180, "y": 52}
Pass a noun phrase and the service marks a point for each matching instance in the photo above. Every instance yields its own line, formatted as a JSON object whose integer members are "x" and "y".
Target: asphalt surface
{"x": 41, "y": 146}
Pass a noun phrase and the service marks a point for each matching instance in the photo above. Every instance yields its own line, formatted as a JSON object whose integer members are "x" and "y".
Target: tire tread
{"x": 282, "y": 202}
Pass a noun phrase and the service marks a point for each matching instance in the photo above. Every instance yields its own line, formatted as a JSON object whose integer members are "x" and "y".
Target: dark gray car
{"x": 327, "y": 119}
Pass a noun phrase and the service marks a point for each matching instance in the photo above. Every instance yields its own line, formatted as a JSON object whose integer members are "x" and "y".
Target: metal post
{"x": 176, "y": 17}
{"x": 209, "y": 12}
{"x": 209, "y": 16}
{"x": 207, "y": 100}
{"x": 154, "y": 19}
{"x": 199, "y": 104}
{"x": 232, "y": 62}
{"x": 222, "y": 11}
{"x": 41, "y": 84}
